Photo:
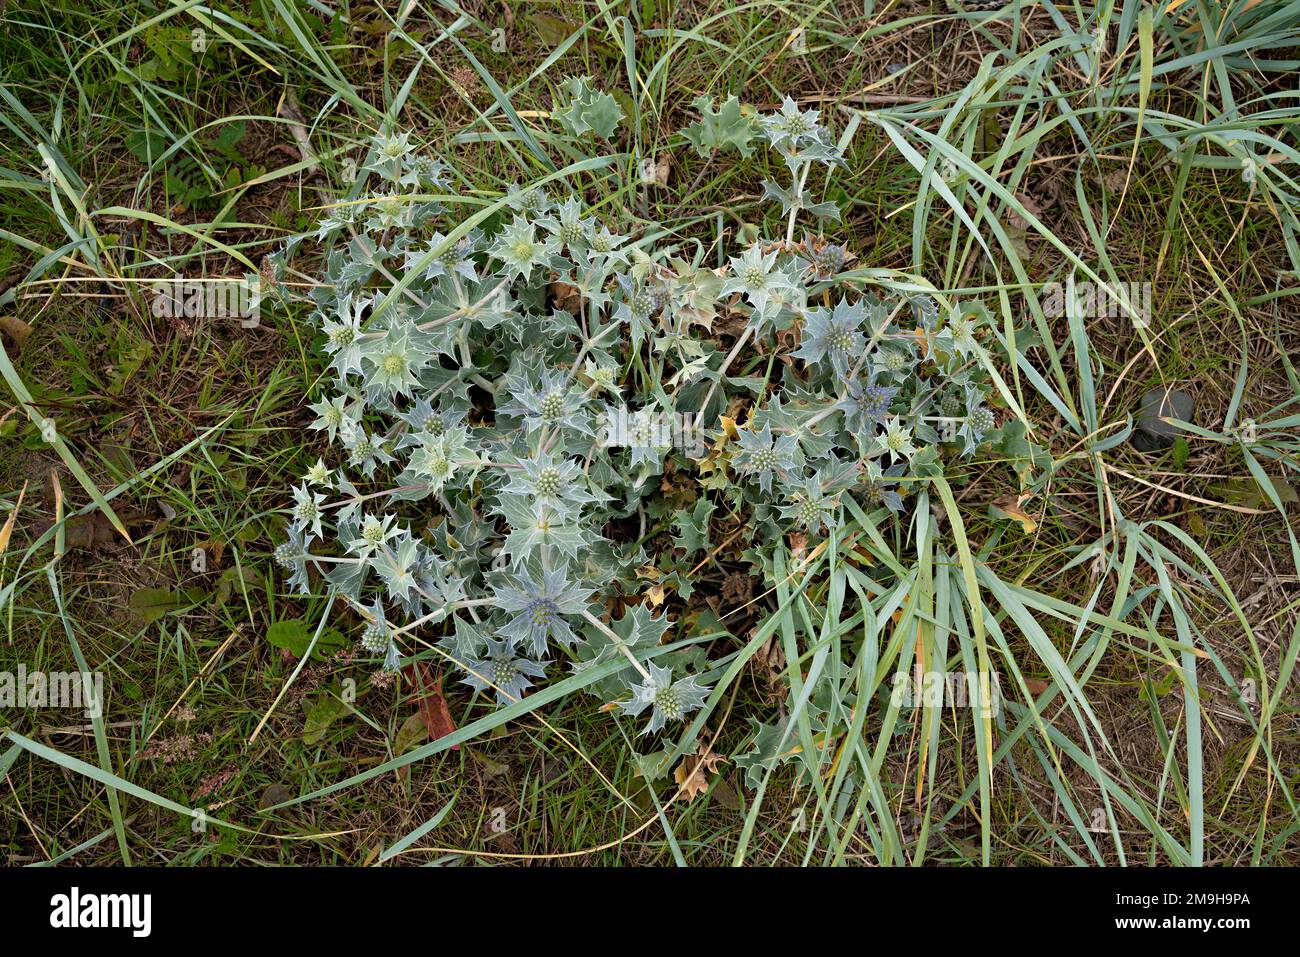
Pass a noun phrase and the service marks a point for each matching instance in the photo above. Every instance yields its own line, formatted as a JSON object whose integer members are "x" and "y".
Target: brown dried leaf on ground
{"x": 769, "y": 665}
{"x": 1013, "y": 506}
{"x": 431, "y": 705}
{"x": 566, "y": 297}
{"x": 695, "y": 772}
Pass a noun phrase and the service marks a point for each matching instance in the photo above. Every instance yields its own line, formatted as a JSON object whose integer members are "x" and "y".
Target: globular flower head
{"x": 390, "y": 211}
{"x": 539, "y": 609}
{"x": 791, "y": 126}
{"x": 751, "y": 271}
{"x": 550, "y": 479}
{"x": 376, "y": 633}
{"x": 392, "y": 362}
{"x": 455, "y": 260}
{"x": 828, "y": 260}
{"x": 822, "y": 258}
{"x": 365, "y": 451}
{"x": 550, "y": 400}
{"x": 768, "y": 289}
{"x": 568, "y": 225}
{"x": 896, "y": 360}
{"x": 508, "y": 675}
{"x": 896, "y": 441}
{"x": 528, "y": 200}
{"x": 834, "y": 336}
{"x": 319, "y": 474}
{"x": 866, "y": 405}
{"x": 307, "y": 511}
{"x": 373, "y": 535}
{"x": 960, "y": 331}
{"x": 292, "y": 555}
{"x": 424, "y": 420}
{"x": 425, "y": 172}
{"x": 980, "y": 421}
{"x": 809, "y": 506}
{"x": 343, "y": 336}
{"x": 879, "y": 488}
{"x": 602, "y": 248}
{"x": 334, "y": 416}
{"x": 669, "y": 700}
{"x": 764, "y": 456}
{"x": 520, "y": 250}
{"x": 388, "y": 150}
{"x": 602, "y": 377}
{"x": 637, "y": 306}
{"x": 438, "y": 458}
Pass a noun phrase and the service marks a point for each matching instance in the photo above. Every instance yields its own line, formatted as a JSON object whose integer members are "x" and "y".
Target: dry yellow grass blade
{"x": 8, "y": 530}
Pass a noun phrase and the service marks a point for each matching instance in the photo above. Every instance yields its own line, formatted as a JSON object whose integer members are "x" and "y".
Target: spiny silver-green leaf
{"x": 718, "y": 130}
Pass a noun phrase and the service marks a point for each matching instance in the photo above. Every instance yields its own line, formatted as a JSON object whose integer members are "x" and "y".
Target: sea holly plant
{"x": 503, "y": 401}
{"x": 798, "y": 137}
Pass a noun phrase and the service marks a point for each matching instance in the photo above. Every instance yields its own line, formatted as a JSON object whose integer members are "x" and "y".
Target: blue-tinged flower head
{"x": 539, "y": 609}
{"x": 501, "y": 670}
{"x": 823, "y": 259}
{"x": 550, "y": 399}
{"x": 866, "y": 405}
{"x": 425, "y": 419}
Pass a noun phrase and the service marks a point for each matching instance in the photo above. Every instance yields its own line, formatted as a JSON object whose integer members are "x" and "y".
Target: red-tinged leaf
{"x": 431, "y": 706}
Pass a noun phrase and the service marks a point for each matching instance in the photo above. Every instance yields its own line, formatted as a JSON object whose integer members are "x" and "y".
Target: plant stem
{"x": 618, "y": 643}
